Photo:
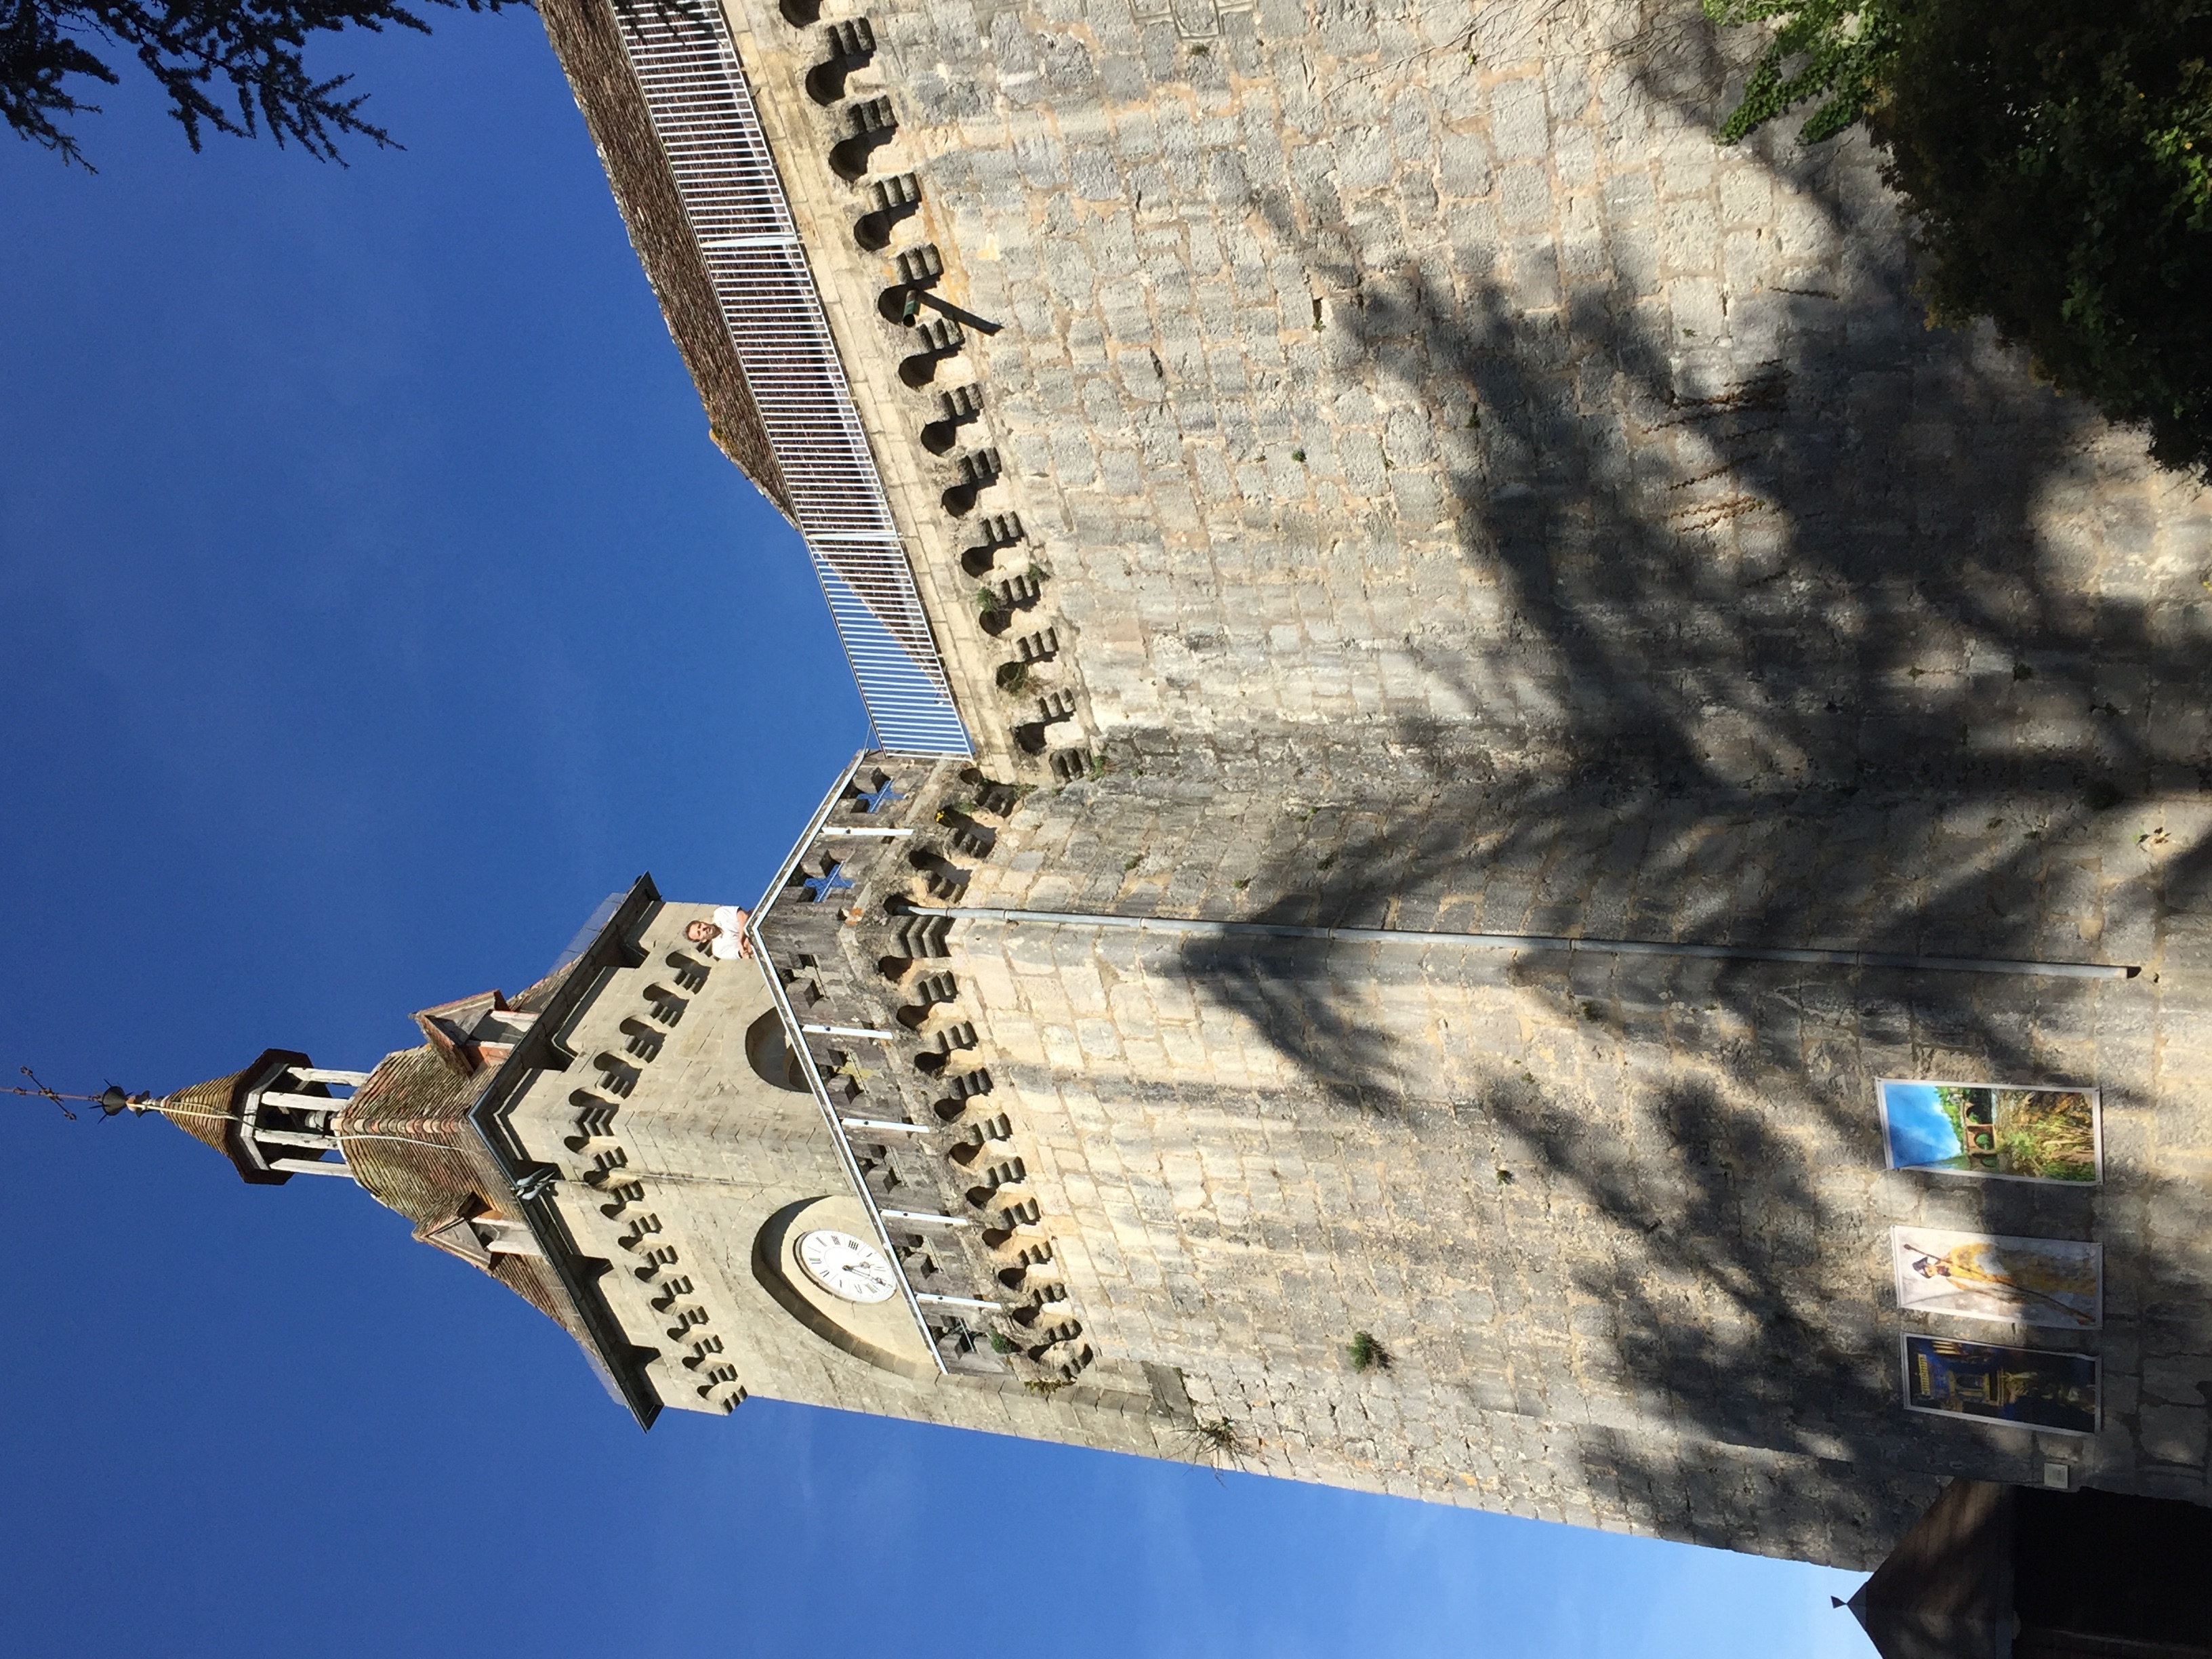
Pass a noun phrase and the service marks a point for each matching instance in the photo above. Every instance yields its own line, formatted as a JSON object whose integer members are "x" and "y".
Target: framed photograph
{"x": 2025, "y": 1281}
{"x": 1997, "y": 1130}
{"x": 2025, "y": 1387}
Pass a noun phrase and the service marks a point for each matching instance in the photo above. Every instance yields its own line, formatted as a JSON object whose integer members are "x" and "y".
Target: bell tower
{"x": 631, "y": 1144}
{"x": 274, "y": 1120}
{"x": 717, "y": 1171}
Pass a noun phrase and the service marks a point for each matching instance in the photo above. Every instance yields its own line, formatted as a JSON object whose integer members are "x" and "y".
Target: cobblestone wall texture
{"x": 1621, "y": 1222}
{"x": 1464, "y": 496}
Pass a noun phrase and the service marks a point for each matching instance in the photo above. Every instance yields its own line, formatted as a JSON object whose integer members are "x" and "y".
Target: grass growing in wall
{"x": 1217, "y": 1441}
{"x": 1365, "y": 1353}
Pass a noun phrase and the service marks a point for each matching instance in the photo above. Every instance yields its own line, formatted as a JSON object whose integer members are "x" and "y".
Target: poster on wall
{"x": 1999, "y": 1132}
{"x": 2027, "y": 1281}
{"x": 2027, "y": 1388}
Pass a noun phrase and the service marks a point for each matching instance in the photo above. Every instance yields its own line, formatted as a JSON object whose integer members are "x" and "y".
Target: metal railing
{"x": 794, "y": 1034}
{"x": 702, "y": 114}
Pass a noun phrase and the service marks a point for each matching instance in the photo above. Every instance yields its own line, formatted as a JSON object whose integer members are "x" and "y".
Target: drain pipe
{"x": 1424, "y": 939}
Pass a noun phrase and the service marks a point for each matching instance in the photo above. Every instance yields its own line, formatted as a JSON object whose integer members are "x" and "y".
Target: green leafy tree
{"x": 1837, "y": 51}
{"x": 233, "y": 66}
{"x": 2056, "y": 159}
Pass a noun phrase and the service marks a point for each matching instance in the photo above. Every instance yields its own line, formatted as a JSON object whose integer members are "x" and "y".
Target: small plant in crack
{"x": 1217, "y": 1441}
{"x": 1365, "y": 1353}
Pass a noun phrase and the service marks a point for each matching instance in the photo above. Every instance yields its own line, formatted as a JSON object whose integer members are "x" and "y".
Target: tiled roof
{"x": 404, "y": 1139}
{"x": 529, "y": 999}
{"x": 206, "y": 1110}
{"x": 407, "y": 1140}
{"x": 584, "y": 38}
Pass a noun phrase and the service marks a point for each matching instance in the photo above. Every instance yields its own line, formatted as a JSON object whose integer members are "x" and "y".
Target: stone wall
{"x": 1472, "y": 499}
{"x": 1619, "y": 1222}
{"x": 1425, "y": 382}
{"x": 678, "y": 1139}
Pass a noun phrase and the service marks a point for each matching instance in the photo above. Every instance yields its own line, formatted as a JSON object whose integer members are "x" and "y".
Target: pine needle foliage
{"x": 229, "y": 66}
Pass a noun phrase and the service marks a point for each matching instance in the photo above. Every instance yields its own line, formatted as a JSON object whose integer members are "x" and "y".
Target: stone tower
{"x": 634, "y": 1146}
{"x": 1458, "y": 679}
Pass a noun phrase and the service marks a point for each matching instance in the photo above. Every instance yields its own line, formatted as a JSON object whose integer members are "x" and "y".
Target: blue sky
{"x": 374, "y": 604}
{"x": 1920, "y": 1130}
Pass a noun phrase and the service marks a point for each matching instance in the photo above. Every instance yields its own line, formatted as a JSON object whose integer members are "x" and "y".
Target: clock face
{"x": 848, "y": 1266}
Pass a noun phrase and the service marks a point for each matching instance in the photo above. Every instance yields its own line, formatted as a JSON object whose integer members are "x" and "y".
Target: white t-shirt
{"x": 730, "y": 942}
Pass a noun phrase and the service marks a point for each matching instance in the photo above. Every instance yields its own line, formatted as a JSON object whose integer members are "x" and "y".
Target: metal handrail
{"x": 709, "y": 131}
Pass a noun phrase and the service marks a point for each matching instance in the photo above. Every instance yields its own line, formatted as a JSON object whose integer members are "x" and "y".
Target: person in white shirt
{"x": 724, "y": 936}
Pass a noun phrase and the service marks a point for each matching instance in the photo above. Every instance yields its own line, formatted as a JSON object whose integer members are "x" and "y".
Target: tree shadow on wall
{"x": 1823, "y": 667}
{"x": 1819, "y": 662}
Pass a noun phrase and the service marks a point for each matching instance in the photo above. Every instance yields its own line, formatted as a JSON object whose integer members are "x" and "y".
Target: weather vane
{"x": 110, "y": 1100}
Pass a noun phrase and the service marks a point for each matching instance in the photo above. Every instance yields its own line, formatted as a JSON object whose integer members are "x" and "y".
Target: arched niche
{"x": 768, "y": 1051}
{"x": 882, "y": 1333}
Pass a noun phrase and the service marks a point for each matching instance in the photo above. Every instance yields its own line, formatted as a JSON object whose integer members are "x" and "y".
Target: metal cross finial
{"x": 110, "y": 1100}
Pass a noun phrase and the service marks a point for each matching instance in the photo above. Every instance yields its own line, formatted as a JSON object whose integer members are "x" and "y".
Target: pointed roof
{"x": 1946, "y": 1591}
{"x": 551, "y": 1002}
{"x": 426, "y": 1135}
{"x": 211, "y": 1112}
{"x": 408, "y": 1140}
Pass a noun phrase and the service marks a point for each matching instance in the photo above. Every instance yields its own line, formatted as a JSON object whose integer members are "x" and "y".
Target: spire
{"x": 272, "y": 1121}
